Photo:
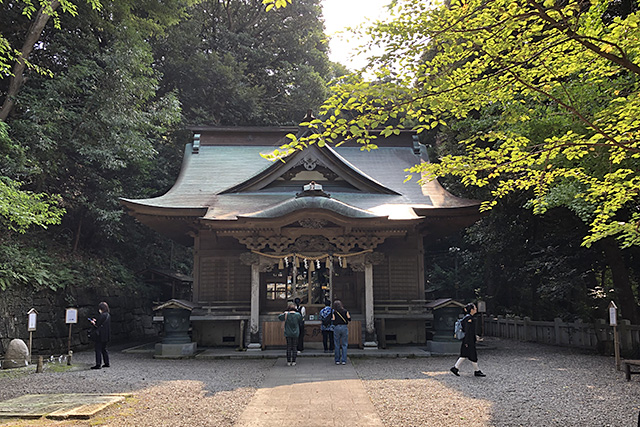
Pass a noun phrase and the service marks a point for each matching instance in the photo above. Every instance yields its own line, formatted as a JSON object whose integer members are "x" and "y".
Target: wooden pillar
{"x": 370, "y": 330}
{"x": 196, "y": 269}
{"x": 254, "y": 322}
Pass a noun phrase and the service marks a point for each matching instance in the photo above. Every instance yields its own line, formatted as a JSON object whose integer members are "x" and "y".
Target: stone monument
{"x": 176, "y": 342}
{"x": 17, "y": 355}
{"x": 445, "y": 313}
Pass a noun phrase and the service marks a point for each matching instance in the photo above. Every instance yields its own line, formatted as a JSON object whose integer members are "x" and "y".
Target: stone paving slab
{"x": 315, "y": 392}
{"x": 58, "y": 406}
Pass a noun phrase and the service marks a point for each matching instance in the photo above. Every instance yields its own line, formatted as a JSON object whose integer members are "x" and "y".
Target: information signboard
{"x": 72, "y": 315}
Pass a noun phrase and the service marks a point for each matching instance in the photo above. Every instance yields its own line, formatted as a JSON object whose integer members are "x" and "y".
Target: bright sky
{"x": 339, "y": 14}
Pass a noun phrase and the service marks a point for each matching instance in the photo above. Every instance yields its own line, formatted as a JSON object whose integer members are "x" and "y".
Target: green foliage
{"x": 46, "y": 266}
{"x": 232, "y": 64}
{"x": 29, "y": 8}
{"x": 21, "y": 209}
{"x": 561, "y": 77}
{"x": 270, "y": 4}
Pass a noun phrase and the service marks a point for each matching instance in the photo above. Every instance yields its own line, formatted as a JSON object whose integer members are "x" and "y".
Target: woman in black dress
{"x": 468, "y": 346}
{"x": 101, "y": 334}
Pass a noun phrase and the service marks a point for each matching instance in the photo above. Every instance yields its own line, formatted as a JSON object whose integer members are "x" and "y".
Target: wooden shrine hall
{"x": 325, "y": 223}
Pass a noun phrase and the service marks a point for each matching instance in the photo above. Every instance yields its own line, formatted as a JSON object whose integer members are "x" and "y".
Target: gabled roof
{"x": 224, "y": 177}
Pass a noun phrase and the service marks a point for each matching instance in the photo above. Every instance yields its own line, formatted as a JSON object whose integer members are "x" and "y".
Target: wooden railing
{"x": 401, "y": 308}
{"x": 596, "y": 335}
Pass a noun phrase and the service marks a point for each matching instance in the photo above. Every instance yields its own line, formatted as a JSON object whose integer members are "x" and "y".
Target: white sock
{"x": 475, "y": 366}
{"x": 459, "y": 362}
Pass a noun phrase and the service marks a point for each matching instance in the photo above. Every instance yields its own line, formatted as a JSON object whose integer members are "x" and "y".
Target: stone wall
{"x": 131, "y": 314}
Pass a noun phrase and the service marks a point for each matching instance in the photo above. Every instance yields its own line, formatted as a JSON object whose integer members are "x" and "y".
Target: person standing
{"x": 291, "y": 319}
{"x": 101, "y": 334}
{"x": 341, "y": 319}
{"x": 303, "y": 312}
{"x": 468, "y": 346}
{"x": 327, "y": 327}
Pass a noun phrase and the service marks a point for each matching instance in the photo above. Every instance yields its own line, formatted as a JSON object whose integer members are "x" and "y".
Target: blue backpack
{"x": 458, "y": 331}
{"x": 326, "y": 320}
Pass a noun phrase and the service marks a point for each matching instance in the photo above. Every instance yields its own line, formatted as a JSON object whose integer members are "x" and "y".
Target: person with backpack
{"x": 340, "y": 319}
{"x": 468, "y": 346}
{"x": 327, "y": 327}
{"x": 303, "y": 312}
{"x": 291, "y": 319}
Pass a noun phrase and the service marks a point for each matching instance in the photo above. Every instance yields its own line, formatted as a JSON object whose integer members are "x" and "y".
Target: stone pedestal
{"x": 175, "y": 351}
{"x": 254, "y": 346}
{"x": 443, "y": 347}
{"x": 370, "y": 345}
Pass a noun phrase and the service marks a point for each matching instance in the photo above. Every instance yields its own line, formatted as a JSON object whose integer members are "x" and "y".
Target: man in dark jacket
{"x": 101, "y": 334}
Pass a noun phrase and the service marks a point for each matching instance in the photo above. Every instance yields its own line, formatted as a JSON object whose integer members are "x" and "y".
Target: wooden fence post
{"x": 626, "y": 343}
{"x": 557, "y": 330}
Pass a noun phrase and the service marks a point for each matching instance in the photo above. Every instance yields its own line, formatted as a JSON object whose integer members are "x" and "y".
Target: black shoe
{"x": 455, "y": 371}
{"x": 96, "y": 367}
{"x": 479, "y": 374}
{"x": 106, "y": 366}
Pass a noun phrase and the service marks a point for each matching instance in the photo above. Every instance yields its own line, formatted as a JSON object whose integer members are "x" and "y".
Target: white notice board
{"x": 72, "y": 315}
{"x": 32, "y": 322}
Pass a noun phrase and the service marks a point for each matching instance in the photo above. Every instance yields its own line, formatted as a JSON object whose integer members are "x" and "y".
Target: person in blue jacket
{"x": 327, "y": 327}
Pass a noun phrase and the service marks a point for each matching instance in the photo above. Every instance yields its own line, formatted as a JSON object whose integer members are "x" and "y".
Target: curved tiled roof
{"x": 230, "y": 180}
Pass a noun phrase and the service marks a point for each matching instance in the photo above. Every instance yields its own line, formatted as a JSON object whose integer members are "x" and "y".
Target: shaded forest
{"x": 103, "y": 111}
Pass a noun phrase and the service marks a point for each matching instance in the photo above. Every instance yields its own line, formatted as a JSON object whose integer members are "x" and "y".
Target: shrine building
{"x": 324, "y": 223}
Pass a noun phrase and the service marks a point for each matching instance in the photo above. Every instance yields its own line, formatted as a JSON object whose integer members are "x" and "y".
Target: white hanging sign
{"x": 482, "y": 307}
{"x": 31, "y": 325}
{"x": 613, "y": 314}
{"x": 72, "y": 315}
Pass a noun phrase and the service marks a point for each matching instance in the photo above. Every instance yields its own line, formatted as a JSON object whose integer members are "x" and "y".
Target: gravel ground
{"x": 526, "y": 385}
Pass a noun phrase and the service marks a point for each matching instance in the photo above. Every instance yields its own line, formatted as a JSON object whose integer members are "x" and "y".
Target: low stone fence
{"x": 132, "y": 314}
{"x": 597, "y": 335}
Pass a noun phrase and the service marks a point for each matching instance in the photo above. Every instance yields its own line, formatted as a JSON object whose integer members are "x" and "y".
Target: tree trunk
{"x": 626, "y": 300}
{"x": 17, "y": 78}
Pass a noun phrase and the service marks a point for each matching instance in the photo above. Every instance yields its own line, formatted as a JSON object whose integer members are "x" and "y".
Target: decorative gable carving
{"x": 306, "y": 243}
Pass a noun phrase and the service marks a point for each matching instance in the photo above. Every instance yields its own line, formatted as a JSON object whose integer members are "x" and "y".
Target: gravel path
{"x": 526, "y": 385}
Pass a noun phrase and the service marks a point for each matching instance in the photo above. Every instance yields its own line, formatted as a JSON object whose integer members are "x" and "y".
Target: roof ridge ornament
{"x": 312, "y": 189}
{"x": 196, "y": 144}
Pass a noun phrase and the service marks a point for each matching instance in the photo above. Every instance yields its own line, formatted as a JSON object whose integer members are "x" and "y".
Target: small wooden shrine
{"x": 325, "y": 223}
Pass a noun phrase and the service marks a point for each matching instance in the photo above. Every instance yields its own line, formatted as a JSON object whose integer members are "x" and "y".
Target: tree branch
{"x": 17, "y": 78}
{"x": 565, "y": 29}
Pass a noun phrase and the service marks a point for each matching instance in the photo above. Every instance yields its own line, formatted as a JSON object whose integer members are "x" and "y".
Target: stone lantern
{"x": 176, "y": 342}
{"x": 445, "y": 313}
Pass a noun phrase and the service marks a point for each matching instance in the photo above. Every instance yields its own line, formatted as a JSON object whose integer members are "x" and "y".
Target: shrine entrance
{"x": 313, "y": 281}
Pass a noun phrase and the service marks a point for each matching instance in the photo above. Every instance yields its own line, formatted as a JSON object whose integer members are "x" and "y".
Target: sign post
{"x": 31, "y": 326}
{"x": 482, "y": 309}
{"x": 613, "y": 321}
{"x": 71, "y": 318}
